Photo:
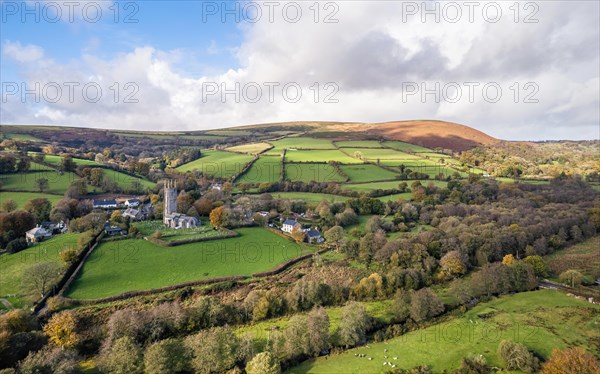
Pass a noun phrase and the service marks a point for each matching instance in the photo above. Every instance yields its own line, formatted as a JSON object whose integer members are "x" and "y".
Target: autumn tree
{"x": 296, "y": 338}
{"x": 508, "y": 260}
{"x": 61, "y": 329}
{"x": 335, "y": 235}
{"x": 425, "y": 305}
{"x": 213, "y": 350}
{"x": 124, "y": 356}
{"x": 167, "y": 356}
{"x": 40, "y": 277}
{"x": 298, "y": 234}
{"x": 540, "y": 268}
{"x": 571, "y": 277}
{"x": 354, "y": 324}
{"x": 40, "y": 208}
{"x": 68, "y": 255}
{"x": 9, "y": 205}
{"x": 263, "y": 363}
{"x": 571, "y": 360}
{"x": 217, "y": 217}
{"x": 317, "y": 326}
{"x": 516, "y": 356}
{"x": 453, "y": 263}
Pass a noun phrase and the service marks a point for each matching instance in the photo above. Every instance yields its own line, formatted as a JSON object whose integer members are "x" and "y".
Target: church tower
{"x": 170, "y": 192}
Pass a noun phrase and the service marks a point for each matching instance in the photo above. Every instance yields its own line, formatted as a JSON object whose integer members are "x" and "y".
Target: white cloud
{"x": 370, "y": 54}
{"x": 20, "y": 53}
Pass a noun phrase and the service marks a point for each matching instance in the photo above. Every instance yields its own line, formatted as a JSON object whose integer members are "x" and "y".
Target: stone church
{"x": 170, "y": 216}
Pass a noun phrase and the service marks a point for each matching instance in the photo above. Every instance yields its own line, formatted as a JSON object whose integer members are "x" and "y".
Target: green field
{"x": 311, "y": 198}
{"x": 312, "y": 172}
{"x": 58, "y": 183}
{"x": 359, "y": 144}
{"x": 34, "y": 166}
{"x": 542, "y": 320}
{"x": 265, "y": 169}
{"x": 147, "y": 228}
{"x": 56, "y": 160}
{"x": 218, "y": 163}
{"x": 396, "y": 197}
{"x": 126, "y": 181}
{"x": 320, "y": 156}
{"x": 23, "y": 137}
{"x": 12, "y": 266}
{"x": 366, "y": 173}
{"x": 302, "y": 143}
{"x": 382, "y": 154}
{"x": 366, "y": 187}
{"x": 251, "y": 148}
{"x": 583, "y": 257}
{"x": 406, "y": 147}
{"x": 124, "y": 265}
{"x": 21, "y": 198}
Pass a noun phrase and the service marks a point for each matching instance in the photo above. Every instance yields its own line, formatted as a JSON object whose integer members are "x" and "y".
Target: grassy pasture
{"x": 124, "y": 265}
{"x": 126, "y": 181}
{"x": 23, "y": 137}
{"x": 302, "y": 143}
{"x": 382, "y": 154}
{"x": 366, "y": 173}
{"x": 218, "y": 163}
{"x": 359, "y": 144}
{"x": 56, "y": 160}
{"x": 169, "y": 234}
{"x": 21, "y": 198}
{"x": 396, "y": 197}
{"x": 320, "y": 156}
{"x": 312, "y": 172}
{"x": 58, "y": 183}
{"x": 583, "y": 257}
{"x": 265, "y": 169}
{"x": 366, "y": 187}
{"x": 251, "y": 148}
{"x": 229, "y": 132}
{"x": 34, "y": 166}
{"x": 542, "y": 320}
{"x": 311, "y": 198}
{"x": 406, "y": 147}
{"x": 12, "y": 266}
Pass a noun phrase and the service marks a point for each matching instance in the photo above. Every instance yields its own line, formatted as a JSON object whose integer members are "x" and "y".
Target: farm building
{"x": 132, "y": 203}
{"x": 113, "y": 230}
{"x": 314, "y": 236}
{"x": 37, "y": 234}
{"x": 134, "y": 214}
{"x": 105, "y": 204}
{"x": 289, "y": 224}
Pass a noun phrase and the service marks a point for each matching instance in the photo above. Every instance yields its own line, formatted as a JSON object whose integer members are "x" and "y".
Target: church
{"x": 170, "y": 216}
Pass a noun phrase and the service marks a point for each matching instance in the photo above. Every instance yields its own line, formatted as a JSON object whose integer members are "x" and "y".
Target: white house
{"x": 289, "y": 224}
{"x": 37, "y": 234}
{"x": 132, "y": 203}
{"x": 105, "y": 204}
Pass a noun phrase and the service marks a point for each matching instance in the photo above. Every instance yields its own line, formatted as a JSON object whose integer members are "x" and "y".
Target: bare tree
{"x": 40, "y": 277}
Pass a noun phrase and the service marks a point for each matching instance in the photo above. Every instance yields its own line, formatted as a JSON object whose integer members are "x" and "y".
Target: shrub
{"x": 571, "y": 360}
{"x": 263, "y": 363}
{"x": 167, "y": 356}
{"x": 516, "y": 356}
{"x": 50, "y": 360}
{"x": 123, "y": 357}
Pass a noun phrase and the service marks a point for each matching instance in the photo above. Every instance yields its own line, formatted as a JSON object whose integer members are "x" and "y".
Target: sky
{"x": 517, "y": 70}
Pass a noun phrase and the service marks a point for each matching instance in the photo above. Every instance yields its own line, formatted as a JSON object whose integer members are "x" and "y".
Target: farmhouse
{"x": 314, "y": 236}
{"x": 113, "y": 230}
{"x": 170, "y": 216}
{"x": 289, "y": 224}
{"x": 134, "y": 214}
{"x": 105, "y": 204}
{"x": 132, "y": 203}
{"x": 37, "y": 234}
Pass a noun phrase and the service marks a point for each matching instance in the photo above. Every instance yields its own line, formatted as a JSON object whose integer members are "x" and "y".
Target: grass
{"x": 396, "y": 197}
{"x": 125, "y": 265}
{"x": 542, "y": 320}
{"x": 583, "y": 257}
{"x": 23, "y": 137}
{"x": 366, "y": 187}
{"x": 372, "y": 154}
{"x": 21, "y": 198}
{"x": 311, "y": 198}
{"x": 359, "y": 144}
{"x": 126, "y": 181}
{"x": 406, "y": 147}
{"x": 56, "y": 160}
{"x": 320, "y": 156}
{"x": 265, "y": 169}
{"x": 312, "y": 172}
{"x": 302, "y": 143}
{"x": 367, "y": 173}
{"x": 12, "y": 266}
{"x": 34, "y": 166}
{"x": 218, "y": 163}
{"x": 250, "y": 148}
{"x": 58, "y": 183}
{"x": 147, "y": 228}
{"x": 229, "y": 132}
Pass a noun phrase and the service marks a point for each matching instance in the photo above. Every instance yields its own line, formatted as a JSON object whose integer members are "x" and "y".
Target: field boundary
{"x": 172, "y": 243}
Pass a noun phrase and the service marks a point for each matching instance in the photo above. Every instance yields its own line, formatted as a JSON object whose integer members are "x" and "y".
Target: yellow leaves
{"x": 508, "y": 260}
{"x": 61, "y": 329}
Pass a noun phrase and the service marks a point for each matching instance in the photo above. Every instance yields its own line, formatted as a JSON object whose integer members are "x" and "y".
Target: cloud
{"x": 372, "y": 60}
{"x": 20, "y": 53}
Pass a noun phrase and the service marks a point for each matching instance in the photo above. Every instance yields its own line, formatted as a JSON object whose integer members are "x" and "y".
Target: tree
{"x": 335, "y": 235}
{"x": 124, "y": 356}
{"x": 571, "y": 277}
{"x": 9, "y": 205}
{"x": 61, "y": 329}
{"x": 263, "y": 363}
{"x": 540, "y": 268}
{"x": 67, "y": 164}
{"x": 40, "y": 207}
{"x": 213, "y": 350}
{"x": 167, "y": 356}
{"x": 217, "y": 217}
{"x": 39, "y": 277}
{"x": 298, "y": 234}
{"x": 354, "y": 324}
{"x": 453, "y": 263}
{"x": 42, "y": 184}
{"x": 296, "y": 338}
{"x": 424, "y": 305}
{"x": 68, "y": 255}
{"x": 508, "y": 260}
{"x": 516, "y": 356}
{"x": 401, "y": 306}
{"x": 50, "y": 360}
{"x": 571, "y": 360}
{"x": 116, "y": 216}
{"x": 317, "y": 326}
